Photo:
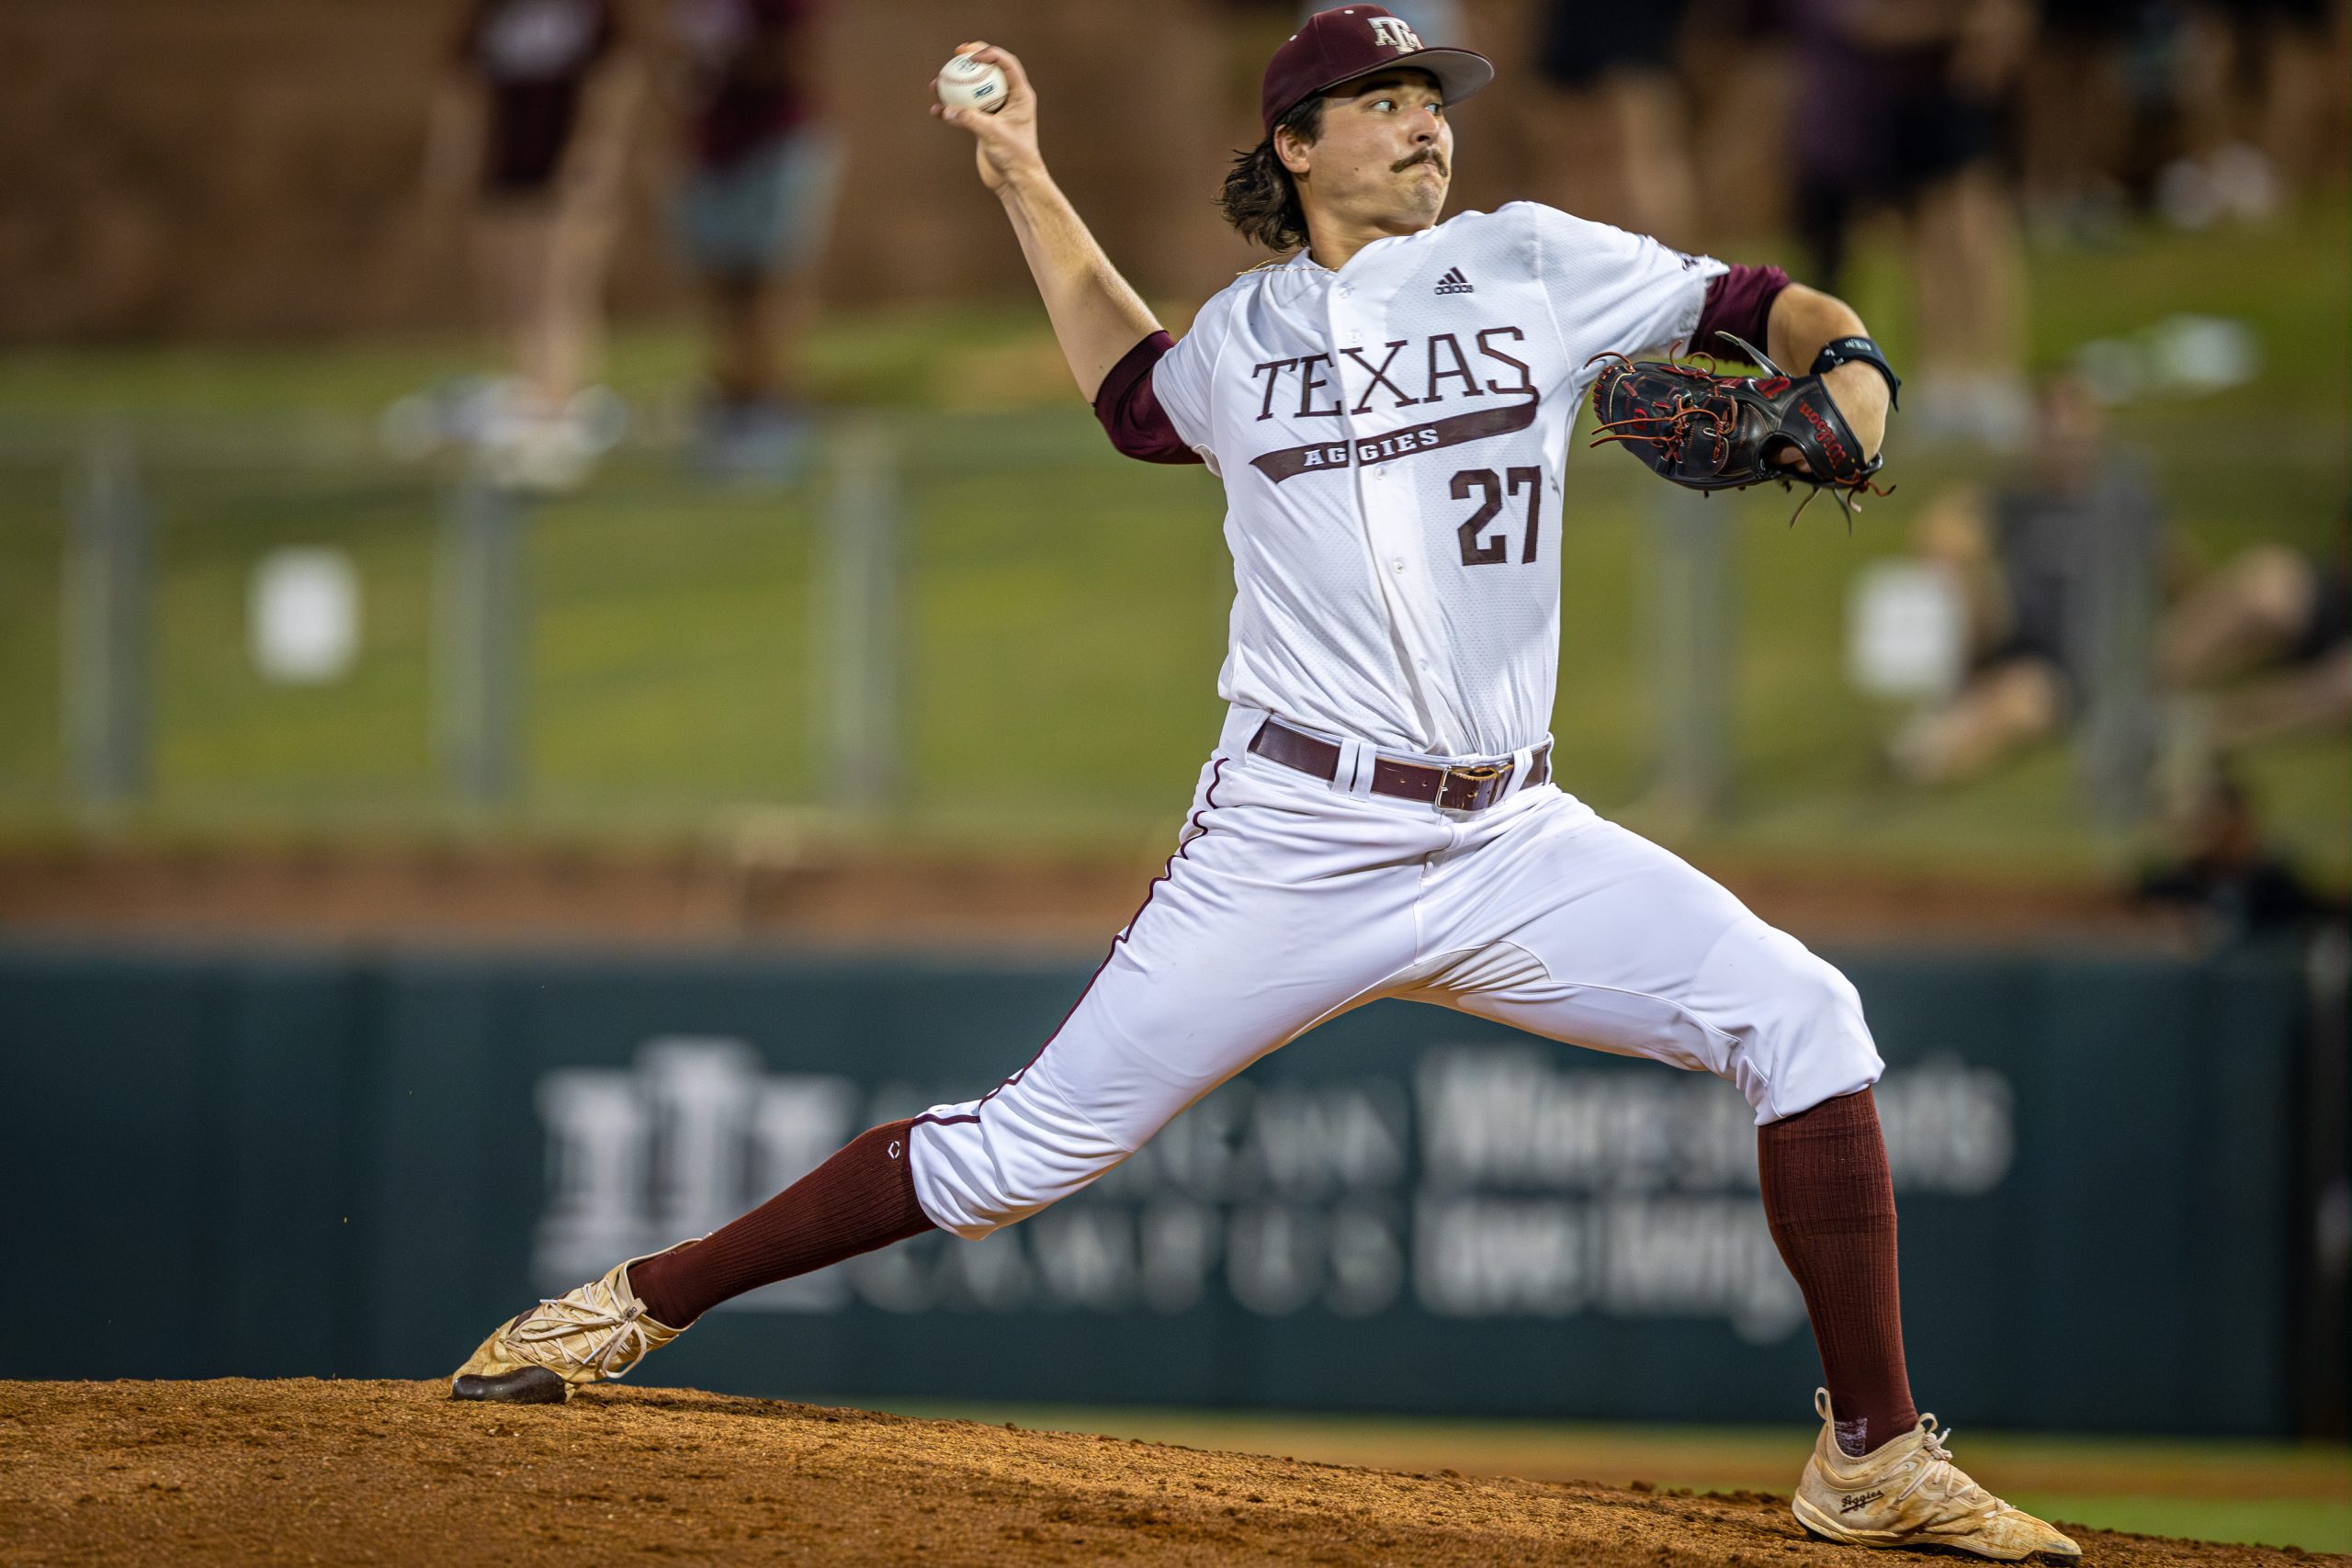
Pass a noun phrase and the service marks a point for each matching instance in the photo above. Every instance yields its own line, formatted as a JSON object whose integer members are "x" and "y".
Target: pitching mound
{"x": 240, "y": 1471}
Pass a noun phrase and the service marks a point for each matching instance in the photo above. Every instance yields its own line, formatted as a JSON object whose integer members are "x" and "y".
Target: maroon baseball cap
{"x": 1340, "y": 45}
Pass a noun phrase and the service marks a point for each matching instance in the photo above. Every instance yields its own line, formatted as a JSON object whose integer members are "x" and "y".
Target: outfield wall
{"x": 355, "y": 1165}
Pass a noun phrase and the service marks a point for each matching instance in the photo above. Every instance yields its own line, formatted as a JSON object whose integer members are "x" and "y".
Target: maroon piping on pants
{"x": 1216, "y": 776}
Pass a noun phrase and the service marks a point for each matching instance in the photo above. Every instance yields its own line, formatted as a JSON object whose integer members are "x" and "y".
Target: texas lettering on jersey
{"x": 1444, "y": 372}
{"x": 1438, "y": 364}
{"x": 1392, "y": 436}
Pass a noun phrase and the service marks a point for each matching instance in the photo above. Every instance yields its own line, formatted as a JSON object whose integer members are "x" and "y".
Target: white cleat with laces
{"x": 1908, "y": 1492}
{"x": 590, "y": 1335}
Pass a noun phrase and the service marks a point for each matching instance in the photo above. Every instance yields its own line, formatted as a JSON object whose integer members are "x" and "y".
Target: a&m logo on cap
{"x": 1392, "y": 32}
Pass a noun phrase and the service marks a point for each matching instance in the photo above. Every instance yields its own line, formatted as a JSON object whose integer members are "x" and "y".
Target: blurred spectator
{"x": 1899, "y": 107}
{"x": 532, "y": 130}
{"x": 2270, "y": 636}
{"x": 1736, "y": 52}
{"x": 2262, "y": 86}
{"x": 1611, "y": 140}
{"x": 2224, "y": 874}
{"x": 2049, "y": 571}
{"x": 2078, "y": 113}
{"x": 754, "y": 214}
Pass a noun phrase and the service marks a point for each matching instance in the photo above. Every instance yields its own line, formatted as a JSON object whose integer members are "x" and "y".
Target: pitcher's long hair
{"x": 1259, "y": 198}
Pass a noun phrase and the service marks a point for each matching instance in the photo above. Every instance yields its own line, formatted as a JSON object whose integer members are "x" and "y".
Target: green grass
{"x": 2275, "y": 1521}
{"x": 1065, "y": 608}
{"x": 2235, "y": 1489}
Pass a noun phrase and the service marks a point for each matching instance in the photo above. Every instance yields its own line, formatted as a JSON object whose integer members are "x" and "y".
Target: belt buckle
{"x": 1480, "y": 775}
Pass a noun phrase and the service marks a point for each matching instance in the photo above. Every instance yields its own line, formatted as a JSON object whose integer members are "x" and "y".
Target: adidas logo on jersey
{"x": 1454, "y": 282}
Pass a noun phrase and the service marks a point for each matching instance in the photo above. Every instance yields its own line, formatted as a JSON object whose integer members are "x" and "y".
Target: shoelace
{"x": 615, "y": 1334}
{"x": 1940, "y": 1468}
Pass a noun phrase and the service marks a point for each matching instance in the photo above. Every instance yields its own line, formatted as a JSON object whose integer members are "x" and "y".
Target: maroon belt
{"x": 1459, "y": 786}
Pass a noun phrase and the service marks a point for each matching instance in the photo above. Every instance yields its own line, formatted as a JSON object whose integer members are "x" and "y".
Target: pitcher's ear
{"x": 1292, "y": 149}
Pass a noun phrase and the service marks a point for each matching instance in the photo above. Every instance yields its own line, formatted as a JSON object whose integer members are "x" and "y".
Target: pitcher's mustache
{"x": 1426, "y": 155}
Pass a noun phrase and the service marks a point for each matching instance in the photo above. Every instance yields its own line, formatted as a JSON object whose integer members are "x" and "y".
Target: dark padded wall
{"x": 355, "y": 1165}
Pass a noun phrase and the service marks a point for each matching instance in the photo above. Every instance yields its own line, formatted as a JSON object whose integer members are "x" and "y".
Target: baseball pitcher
{"x": 1388, "y": 408}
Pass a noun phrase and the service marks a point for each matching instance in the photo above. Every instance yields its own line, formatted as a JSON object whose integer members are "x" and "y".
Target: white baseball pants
{"x": 1291, "y": 900}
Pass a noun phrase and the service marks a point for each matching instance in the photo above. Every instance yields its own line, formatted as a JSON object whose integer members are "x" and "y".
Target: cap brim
{"x": 1460, "y": 72}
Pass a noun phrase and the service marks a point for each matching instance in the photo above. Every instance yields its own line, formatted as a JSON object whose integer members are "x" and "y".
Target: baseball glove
{"x": 1708, "y": 431}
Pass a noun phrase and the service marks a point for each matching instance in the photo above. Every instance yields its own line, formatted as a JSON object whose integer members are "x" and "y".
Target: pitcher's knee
{"x": 986, "y": 1163}
{"x": 1802, "y": 1038}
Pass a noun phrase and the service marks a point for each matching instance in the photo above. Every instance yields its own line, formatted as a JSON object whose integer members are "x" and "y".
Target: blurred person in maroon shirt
{"x": 530, "y": 135}
{"x": 753, "y": 213}
{"x": 1900, "y": 107}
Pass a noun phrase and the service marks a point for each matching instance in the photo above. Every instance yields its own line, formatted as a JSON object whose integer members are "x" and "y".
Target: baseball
{"x": 968, "y": 82}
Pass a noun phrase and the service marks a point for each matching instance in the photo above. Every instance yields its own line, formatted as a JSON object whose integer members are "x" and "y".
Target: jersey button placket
{"x": 1374, "y": 494}
{"x": 1384, "y": 491}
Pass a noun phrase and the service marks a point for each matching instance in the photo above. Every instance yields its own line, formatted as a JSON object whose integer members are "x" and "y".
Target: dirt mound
{"x": 395, "y": 1472}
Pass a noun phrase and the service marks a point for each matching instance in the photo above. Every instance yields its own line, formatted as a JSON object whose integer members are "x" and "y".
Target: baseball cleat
{"x": 590, "y": 1335}
{"x": 1908, "y": 1492}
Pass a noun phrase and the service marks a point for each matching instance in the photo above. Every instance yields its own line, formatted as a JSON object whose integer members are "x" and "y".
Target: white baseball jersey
{"x": 1392, "y": 438}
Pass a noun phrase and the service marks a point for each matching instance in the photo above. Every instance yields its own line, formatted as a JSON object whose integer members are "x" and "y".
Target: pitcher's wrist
{"x": 1024, "y": 180}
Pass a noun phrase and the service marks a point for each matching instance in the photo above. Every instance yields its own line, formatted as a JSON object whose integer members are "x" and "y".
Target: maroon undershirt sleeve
{"x": 1130, "y": 410}
{"x": 1740, "y": 302}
